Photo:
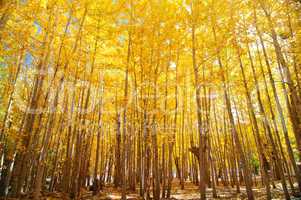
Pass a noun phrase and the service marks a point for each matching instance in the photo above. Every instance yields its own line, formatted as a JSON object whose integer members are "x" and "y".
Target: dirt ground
{"x": 190, "y": 192}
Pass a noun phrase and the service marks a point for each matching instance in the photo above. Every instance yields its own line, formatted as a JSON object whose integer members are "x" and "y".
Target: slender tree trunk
{"x": 247, "y": 175}
{"x": 256, "y": 129}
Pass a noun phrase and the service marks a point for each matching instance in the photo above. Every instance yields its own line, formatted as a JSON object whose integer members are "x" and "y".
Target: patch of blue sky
{"x": 38, "y": 27}
{"x": 122, "y": 19}
{"x": 3, "y": 68}
{"x": 28, "y": 59}
{"x": 73, "y": 20}
{"x": 23, "y": 2}
{"x": 2, "y": 62}
{"x": 121, "y": 39}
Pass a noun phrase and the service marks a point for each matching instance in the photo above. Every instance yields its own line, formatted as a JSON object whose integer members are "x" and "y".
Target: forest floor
{"x": 190, "y": 192}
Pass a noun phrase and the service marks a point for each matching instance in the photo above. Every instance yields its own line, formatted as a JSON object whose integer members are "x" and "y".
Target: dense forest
{"x": 150, "y": 99}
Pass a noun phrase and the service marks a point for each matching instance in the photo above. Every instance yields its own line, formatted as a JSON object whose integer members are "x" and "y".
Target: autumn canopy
{"x": 150, "y": 99}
